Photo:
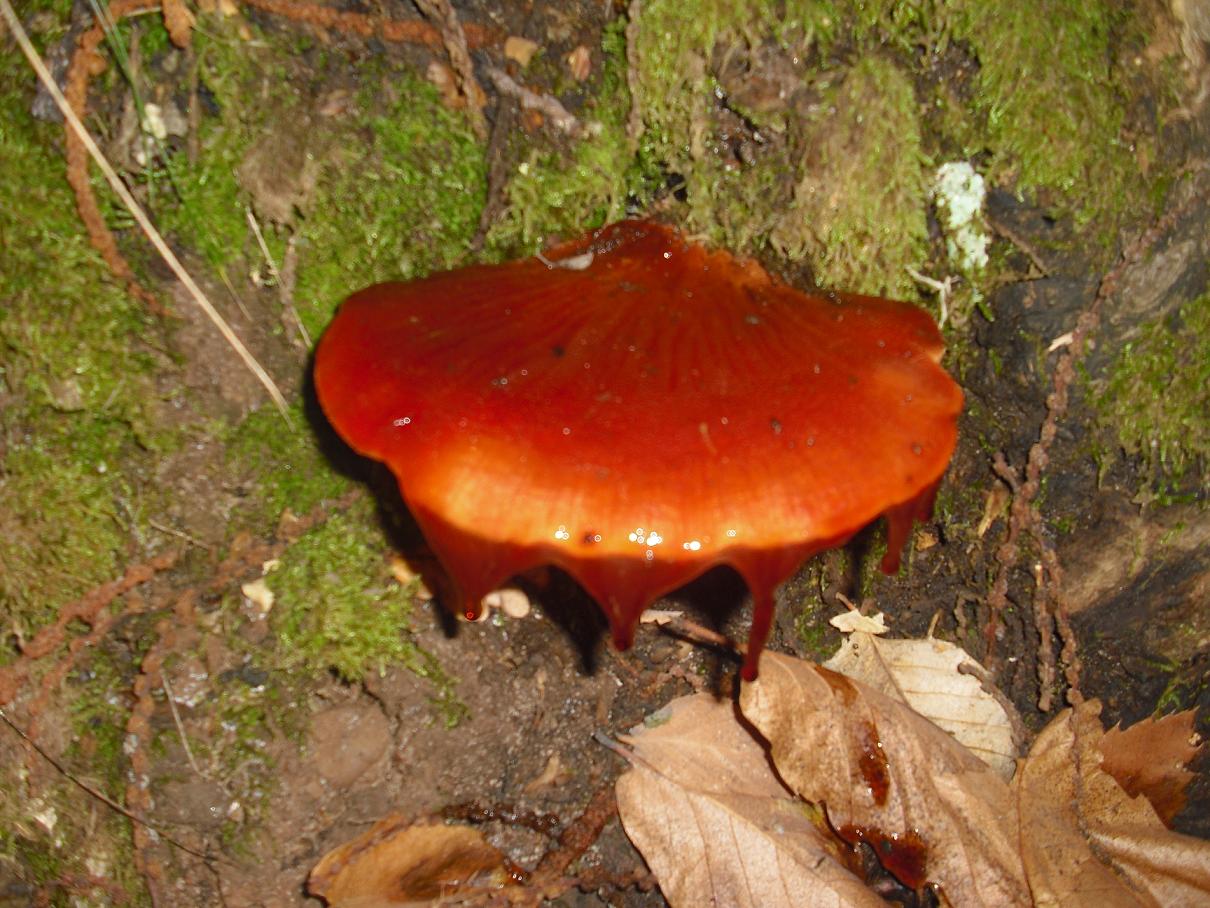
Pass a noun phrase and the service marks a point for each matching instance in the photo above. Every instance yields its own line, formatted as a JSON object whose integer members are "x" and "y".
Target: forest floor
{"x": 209, "y": 618}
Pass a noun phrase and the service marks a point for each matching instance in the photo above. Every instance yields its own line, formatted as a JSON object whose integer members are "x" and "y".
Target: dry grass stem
{"x": 136, "y": 210}
{"x": 285, "y": 292}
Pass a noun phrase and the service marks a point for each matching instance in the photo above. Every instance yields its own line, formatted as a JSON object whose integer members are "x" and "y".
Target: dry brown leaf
{"x": 400, "y": 863}
{"x": 178, "y": 21}
{"x": 934, "y": 811}
{"x": 1059, "y": 864}
{"x": 1074, "y": 817}
{"x": 1150, "y": 758}
{"x": 852, "y": 621}
{"x": 444, "y": 80}
{"x": 714, "y": 823}
{"x": 925, "y": 675}
{"x": 718, "y": 827}
{"x": 520, "y": 50}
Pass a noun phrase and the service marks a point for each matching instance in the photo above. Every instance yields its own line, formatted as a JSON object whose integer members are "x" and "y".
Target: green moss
{"x": 859, "y": 209}
{"x": 338, "y": 608}
{"x": 1049, "y": 93}
{"x": 1157, "y": 397}
{"x": 99, "y": 720}
{"x": 209, "y": 215}
{"x": 38, "y": 858}
{"x": 1046, "y": 111}
{"x": 74, "y": 381}
{"x": 281, "y": 465}
{"x": 336, "y": 604}
{"x": 563, "y": 193}
{"x": 674, "y": 48}
{"x": 842, "y": 187}
{"x": 816, "y": 636}
{"x": 50, "y": 833}
{"x": 394, "y": 205}
{"x": 903, "y": 24}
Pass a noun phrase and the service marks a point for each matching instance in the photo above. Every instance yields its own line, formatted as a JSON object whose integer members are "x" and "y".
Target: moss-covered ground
{"x": 805, "y": 133}
{"x": 1156, "y": 399}
{"x": 77, "y": 359}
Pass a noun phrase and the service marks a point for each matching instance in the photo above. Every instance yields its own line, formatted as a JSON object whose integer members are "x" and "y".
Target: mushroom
{"x": 636, "y": 408}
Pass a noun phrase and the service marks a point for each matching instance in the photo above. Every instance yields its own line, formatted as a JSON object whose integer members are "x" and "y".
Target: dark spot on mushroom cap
{"x": 664, "y": 446}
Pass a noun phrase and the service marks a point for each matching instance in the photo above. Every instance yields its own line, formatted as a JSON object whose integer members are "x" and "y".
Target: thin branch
{"x": 442, "y": 14}
{"x": 1016, "y": 239}
{"x": 547, "y": 105}
{"x": 283, "y": 291}
{"x": 180, "y": 727}
{"x": 942, "y": 288}
{"x": 88, "y": 789}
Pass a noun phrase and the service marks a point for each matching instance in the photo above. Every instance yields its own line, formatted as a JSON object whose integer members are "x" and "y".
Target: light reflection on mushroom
{"x": 662, "y": 410}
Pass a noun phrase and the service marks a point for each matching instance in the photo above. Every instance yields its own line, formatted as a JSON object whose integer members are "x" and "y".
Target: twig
{"x": 452, "y": 35}
{"x": 1015, "y": 238}
{"x": 230, "y": 288}
{"x": 695, "y": 633}
{"x": 180, "y": 728}
{"x": 179, "y": 534}
{"x": 943, "y": 290}
{"x": 547, "y": 105}
{"x": 289, "y": 280}
{"x": 498, "y": 171}
{"x": 283, "y": 292}
{"x": 611, "y": 745}
{"x": 100, "y": 795}
{"x": 136, "y": 210}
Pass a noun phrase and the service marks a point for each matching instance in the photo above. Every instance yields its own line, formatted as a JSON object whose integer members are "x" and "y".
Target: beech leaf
{"x": 1074, "y": 817}
{"x": 853, "y": 620}
{"x": 716, "y": 826}
{"x": 925, "y": 674}
{"x": 1150, "y": 758}
{"x": 933, "y": 811}
{"x": 1075, "y": 827}
{"x": 397, "y": 862}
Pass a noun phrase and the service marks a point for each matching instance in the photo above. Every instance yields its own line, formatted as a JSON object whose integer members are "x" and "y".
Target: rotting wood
{"x": 1025, "y": 514}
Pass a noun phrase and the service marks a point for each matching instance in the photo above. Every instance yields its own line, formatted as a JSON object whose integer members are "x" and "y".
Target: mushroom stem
{"x": 762, "y": 621}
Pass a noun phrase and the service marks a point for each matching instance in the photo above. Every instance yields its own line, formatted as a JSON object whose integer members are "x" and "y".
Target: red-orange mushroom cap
{"x": 636, "y": 409}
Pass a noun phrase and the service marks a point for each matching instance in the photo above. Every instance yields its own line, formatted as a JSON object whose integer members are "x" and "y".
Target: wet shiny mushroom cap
{"x": 636, "y": 409}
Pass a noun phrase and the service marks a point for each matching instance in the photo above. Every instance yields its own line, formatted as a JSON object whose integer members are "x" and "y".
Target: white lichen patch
{"x": 959, "y": 192}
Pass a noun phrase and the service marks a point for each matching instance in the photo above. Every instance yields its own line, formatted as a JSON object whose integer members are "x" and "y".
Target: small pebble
{"x": 511, "y": 601}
